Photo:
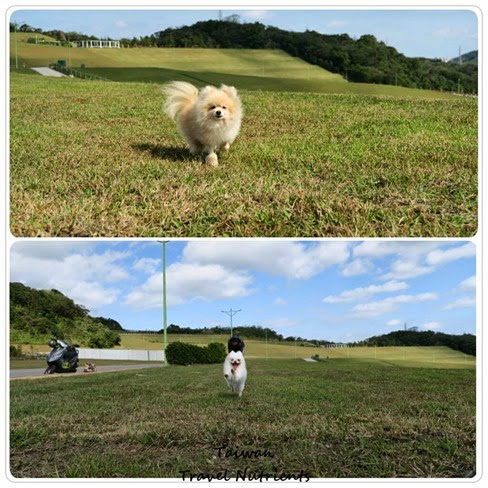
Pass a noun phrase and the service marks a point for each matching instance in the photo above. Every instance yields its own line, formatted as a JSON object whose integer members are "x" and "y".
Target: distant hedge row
{"x": 184, "y": 354}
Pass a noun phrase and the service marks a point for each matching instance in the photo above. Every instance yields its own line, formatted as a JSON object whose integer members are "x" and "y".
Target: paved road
{"x": 44, "y": 71}
{"x": 24, "y": 373}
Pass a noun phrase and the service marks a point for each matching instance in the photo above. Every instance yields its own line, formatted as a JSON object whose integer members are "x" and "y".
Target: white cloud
{"x": 92, "y": 294}
{"x": 440, "y": 256}
{"x": 362, "y": 293}
{"x": 431, "y": 326}
{"x": 413, "y": 259}
{"x": 283, "y": 258}
{"x": 379, "y": 249}
{"x": 85, "y": 278}
{"x": 450, "y": 33}
{"x": 147, "y": 265}
{"x": 404, "y": 269}
{"x": 256, "y": 15}
{"x": 334, "y": 24}
{"x": 51, "y": 250}
{"x": 468, "y": 283}
{"x": 280, "y": 323}
{"x": 121, "y": 24}
{"x": 461, "y": 303}
{"x": 394, "y": 322}
{"x": 374, "y": 309}
{"x": 280, "y": 301}
{"x": 357, "y": 267}
{"x": 189, "y": 282}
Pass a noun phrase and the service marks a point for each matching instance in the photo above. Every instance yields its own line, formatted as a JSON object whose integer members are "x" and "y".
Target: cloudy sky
{"x": 428, "y": 33}
{"x": 335, "y": 290}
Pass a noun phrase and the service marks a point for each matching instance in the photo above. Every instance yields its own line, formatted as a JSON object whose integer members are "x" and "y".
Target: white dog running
{"x": 235, "y": 372}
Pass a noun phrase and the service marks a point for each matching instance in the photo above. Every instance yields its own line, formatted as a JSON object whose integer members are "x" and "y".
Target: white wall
{"x": 122, "y": 354}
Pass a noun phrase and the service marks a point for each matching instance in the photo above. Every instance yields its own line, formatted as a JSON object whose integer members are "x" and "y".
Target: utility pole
{"x": 231, "y": 313}
{"x": 165, "y": 318}
{"x": 15, "y": 41}
{"x": 266, "y": 331}
{"x": 69, "y": 53}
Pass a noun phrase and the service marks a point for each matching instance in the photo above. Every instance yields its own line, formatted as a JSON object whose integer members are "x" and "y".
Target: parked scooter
{"x": 63, "y": 357}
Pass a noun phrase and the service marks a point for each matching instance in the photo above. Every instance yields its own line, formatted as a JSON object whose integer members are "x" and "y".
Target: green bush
{"x": 103, "y": 339}
{"x": 216, "y": 352}
{"x": 15, "y": 352}
{"x": 184, "y": 354}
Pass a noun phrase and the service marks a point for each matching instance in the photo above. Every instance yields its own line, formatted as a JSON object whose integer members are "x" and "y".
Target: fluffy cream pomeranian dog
{"x": 235, "y": 372}
{"x": 209, "y": 120}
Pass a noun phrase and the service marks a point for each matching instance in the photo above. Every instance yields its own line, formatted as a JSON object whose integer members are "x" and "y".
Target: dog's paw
{"x": 212, "y": 159}
{"x": 225, "y": 147}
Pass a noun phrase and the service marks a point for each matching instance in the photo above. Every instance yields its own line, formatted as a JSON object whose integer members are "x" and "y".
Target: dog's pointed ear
{"x": 207, "y": 90}
{"x": 230, "y": 90}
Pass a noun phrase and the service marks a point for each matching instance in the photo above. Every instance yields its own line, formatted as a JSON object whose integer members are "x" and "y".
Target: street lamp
{"x": 231, "y": 313}
{"x": 15, "y": 42}
{"x": 165, "y": 318}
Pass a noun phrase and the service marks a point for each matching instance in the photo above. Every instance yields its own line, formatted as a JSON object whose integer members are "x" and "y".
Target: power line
{"x": 231, "y": 313}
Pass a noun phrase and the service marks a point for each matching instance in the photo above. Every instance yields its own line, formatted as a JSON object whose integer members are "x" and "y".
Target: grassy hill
{"x": 249, "y": 62}
{"x": 252, "y": 69}
{"x": 36, "y": 316}
{"x": 471, "y": 58}
{"x": 338, "y": 419}
{"x": 23, "y": 37}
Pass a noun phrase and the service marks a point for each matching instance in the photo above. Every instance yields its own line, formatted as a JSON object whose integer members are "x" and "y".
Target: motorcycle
{"x": 63, "y": 357}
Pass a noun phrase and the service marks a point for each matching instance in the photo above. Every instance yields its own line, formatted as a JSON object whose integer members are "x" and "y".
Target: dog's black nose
{"x": 218, "y": 113}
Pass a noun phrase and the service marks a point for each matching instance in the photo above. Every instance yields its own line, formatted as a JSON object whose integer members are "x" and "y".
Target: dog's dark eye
{"x": 212, "y": 107}
{"x": 224, "y": 108}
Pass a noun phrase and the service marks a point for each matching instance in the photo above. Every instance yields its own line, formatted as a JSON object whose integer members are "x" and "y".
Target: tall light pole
{"x": 165, "y": 317}
{"x": 69, "y": 53}
{"x": 266, "y": 330}
{"x": 15, "y": 42}
{"x": 231, "y": 313}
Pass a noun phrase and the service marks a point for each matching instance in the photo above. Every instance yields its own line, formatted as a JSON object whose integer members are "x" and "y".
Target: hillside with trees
{"x": 465, "y": 343}
{"x": 363, "y": 60}
{"x": 471, "y": 57}
{"x": 39, "y": 315}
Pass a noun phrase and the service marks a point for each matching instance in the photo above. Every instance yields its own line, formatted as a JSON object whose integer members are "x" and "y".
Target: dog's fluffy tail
{"x": 180, "y": 96}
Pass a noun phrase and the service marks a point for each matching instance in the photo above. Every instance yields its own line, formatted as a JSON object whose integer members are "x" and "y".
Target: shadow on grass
{"x": 227, "y": 395}
{"x": 163, "y": 152}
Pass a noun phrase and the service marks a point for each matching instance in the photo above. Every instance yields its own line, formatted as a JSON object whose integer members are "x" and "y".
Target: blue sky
{"x": 334, "y": 290}
{"x": 428, "y": 33}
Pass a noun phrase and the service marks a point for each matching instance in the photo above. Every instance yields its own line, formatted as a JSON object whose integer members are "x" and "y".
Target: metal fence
{"x": 78, "y": 74}
{"x": 122, "y": 354}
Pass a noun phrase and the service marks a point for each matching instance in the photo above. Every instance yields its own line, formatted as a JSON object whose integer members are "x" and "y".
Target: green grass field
{"x": 422, "y": 356}
{"x": 336, "y": 419}
{"x": 268, "y": 82}
{"x": 101, "y": 159}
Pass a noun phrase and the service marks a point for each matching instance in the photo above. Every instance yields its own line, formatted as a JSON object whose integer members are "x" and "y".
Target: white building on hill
{"x": 98, "y": 43}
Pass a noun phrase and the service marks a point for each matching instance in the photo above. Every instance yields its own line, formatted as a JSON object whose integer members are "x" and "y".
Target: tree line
{"x": 465, "y": 342}
{"x": 246, "y": 332}
{"x": 364, "y": 60}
